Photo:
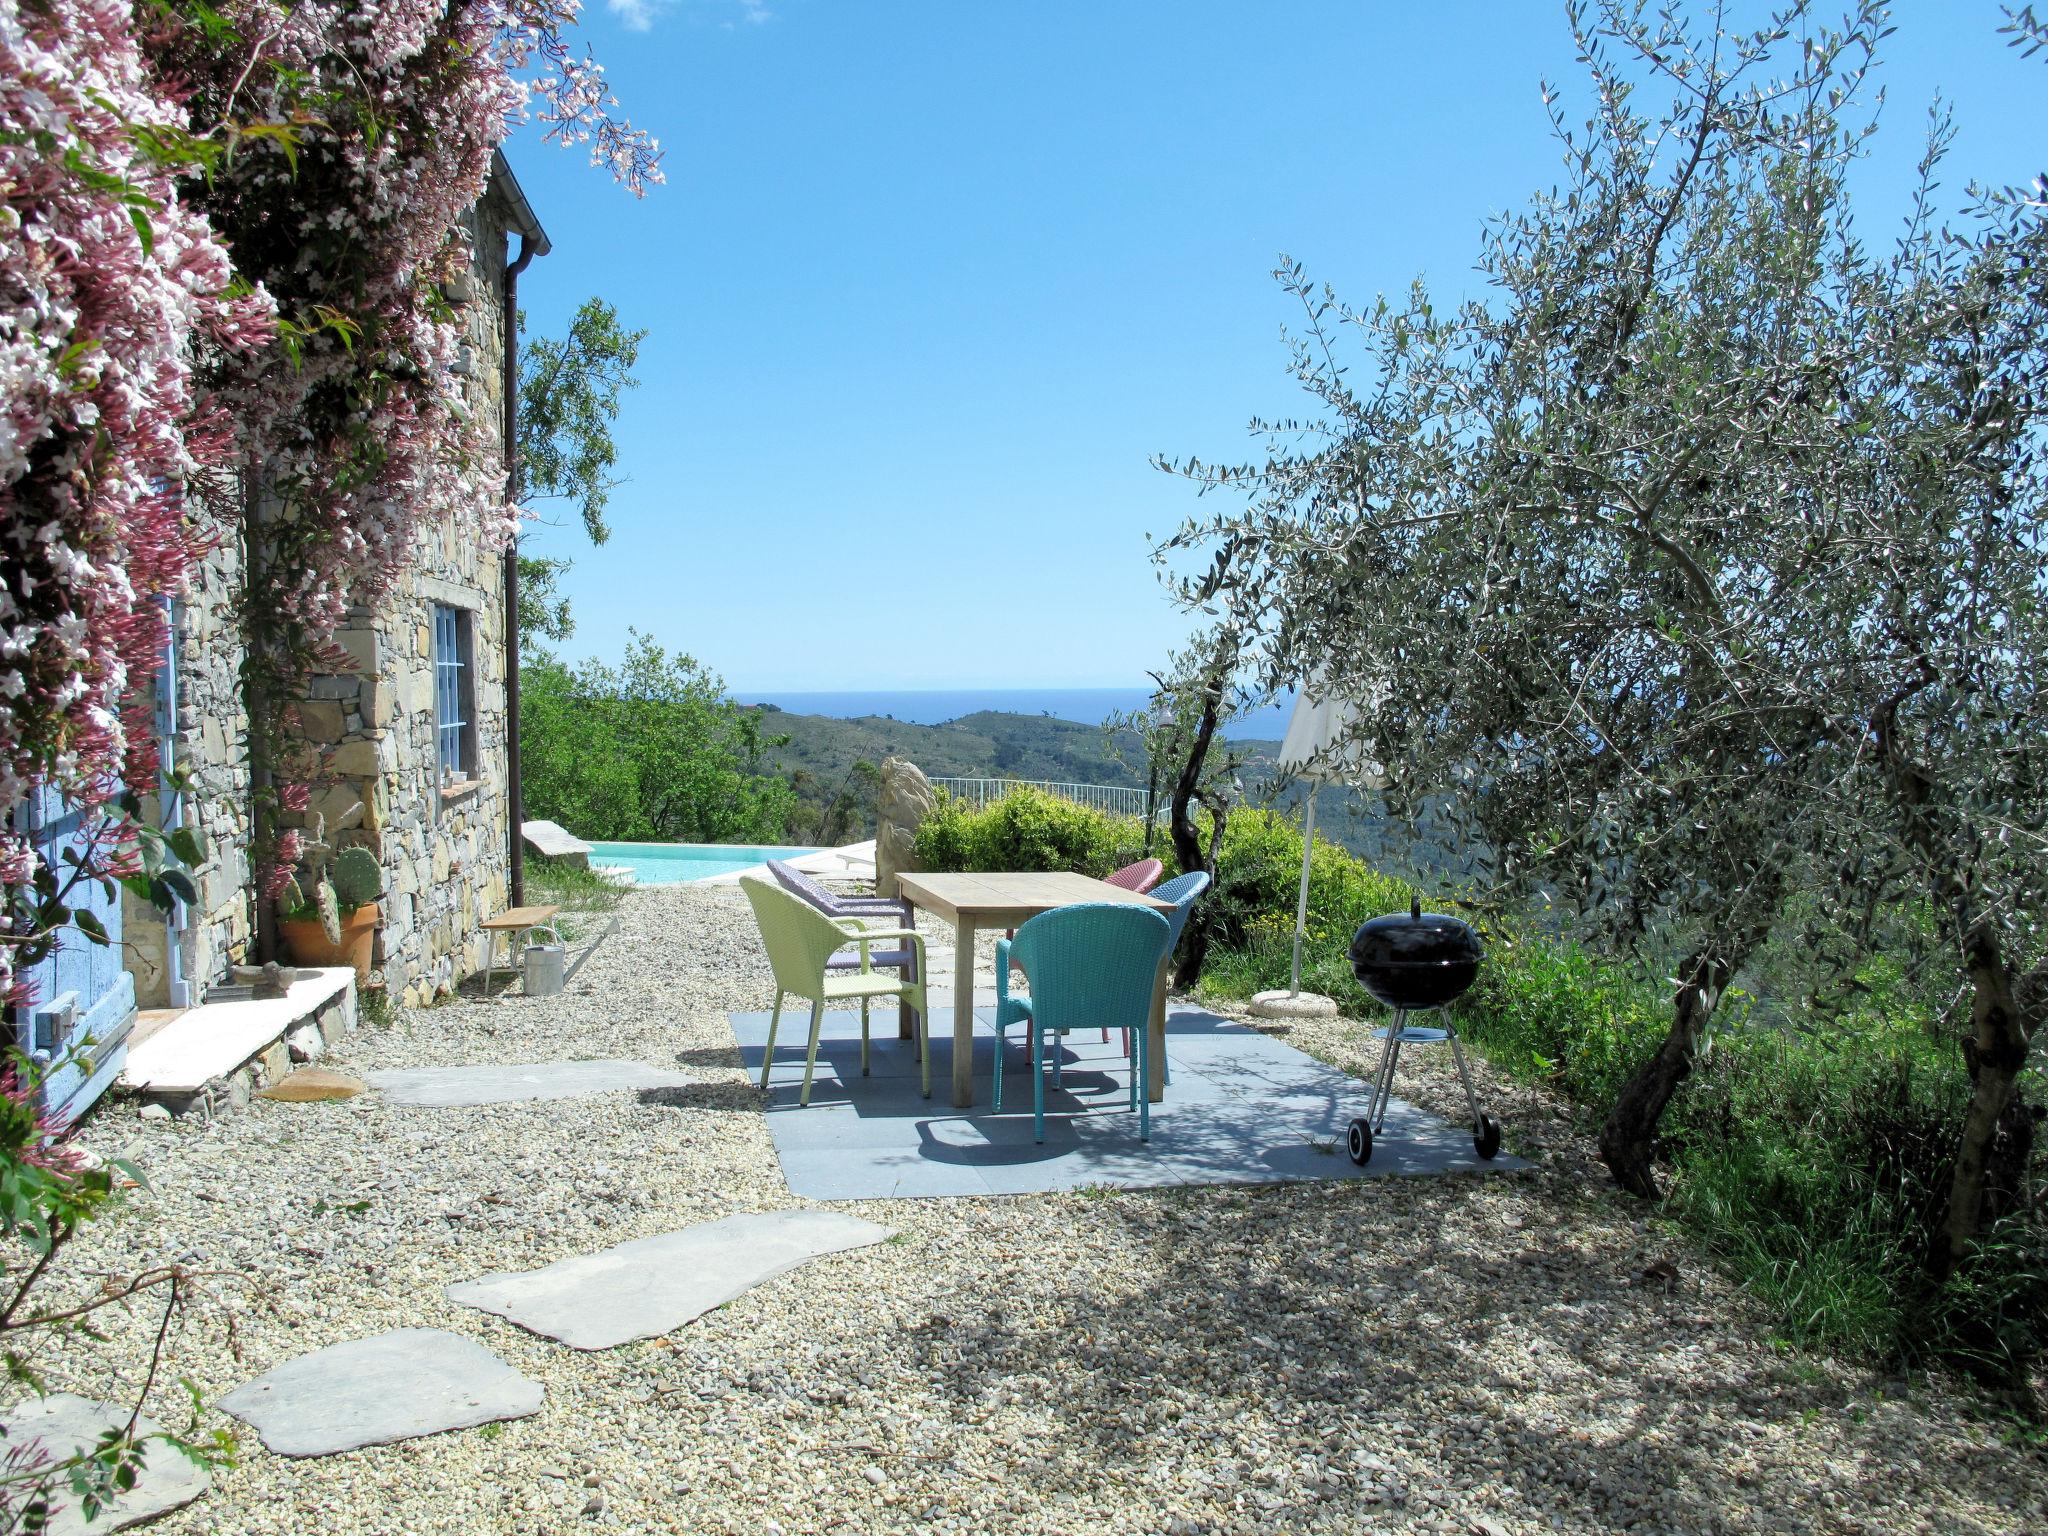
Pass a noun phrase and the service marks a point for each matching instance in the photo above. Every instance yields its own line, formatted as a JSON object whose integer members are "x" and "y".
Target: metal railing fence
{"x": 1114, "y": 799}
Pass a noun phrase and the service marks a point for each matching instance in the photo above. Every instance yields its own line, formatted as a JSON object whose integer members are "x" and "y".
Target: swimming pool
{"x": 673, "y": 863}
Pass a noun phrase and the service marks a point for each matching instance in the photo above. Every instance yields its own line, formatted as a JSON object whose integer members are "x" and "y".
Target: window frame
{"x": 453, "y": 658}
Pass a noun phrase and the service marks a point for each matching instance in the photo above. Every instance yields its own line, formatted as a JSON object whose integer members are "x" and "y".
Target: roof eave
{"x": 522, "y": 215}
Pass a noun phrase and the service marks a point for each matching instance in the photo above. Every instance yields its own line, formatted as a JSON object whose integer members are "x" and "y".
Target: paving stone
{"x": 63, "y": 1425}
{"x": 395, "y": 1386}
{"x": 313, "y": 1085}
{"x": 642, "y": 1289}
{"x": 460, "y": 1087}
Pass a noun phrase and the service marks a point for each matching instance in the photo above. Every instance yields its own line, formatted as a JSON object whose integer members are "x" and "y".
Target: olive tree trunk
{"x": 1628, "y": 1139}
{"x": 2005, "y": 1008}
{"x": 1187, "y": 838}
{"x": 2002, "y": 1026}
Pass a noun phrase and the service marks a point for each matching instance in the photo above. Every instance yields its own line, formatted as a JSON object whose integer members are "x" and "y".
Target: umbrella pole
{"x": 1308, "y": 848}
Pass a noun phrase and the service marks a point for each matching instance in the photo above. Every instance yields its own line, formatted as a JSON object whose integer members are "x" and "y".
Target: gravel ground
{"x": 1475, "y": 1355}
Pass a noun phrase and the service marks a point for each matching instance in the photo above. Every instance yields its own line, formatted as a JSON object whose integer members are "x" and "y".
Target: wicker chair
{"x": 1139, "y": 877}
{"x": 1089, "y": 964}
{"x": 801, "y": 942}
{"x": 891, "y": 912}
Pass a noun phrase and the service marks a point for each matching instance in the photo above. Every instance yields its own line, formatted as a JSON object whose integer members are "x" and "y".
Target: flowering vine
{"x": 223, "y": 234}
{"x": 107, "y": 285}
{"x": 355, "y": 431}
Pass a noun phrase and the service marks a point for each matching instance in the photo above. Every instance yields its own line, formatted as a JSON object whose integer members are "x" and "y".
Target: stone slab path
{"x": 464, "y": 1087}
{"x": 643, "y": 1289}
{"x": 1242, "y": 1108}
{"x": 64, "y": 1425}
{"x": 395, "y": 1386}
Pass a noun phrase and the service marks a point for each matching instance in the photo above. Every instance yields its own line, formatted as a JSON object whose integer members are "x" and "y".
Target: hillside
{"x": 985, "y": 744}
{"x": 837, "y": 801}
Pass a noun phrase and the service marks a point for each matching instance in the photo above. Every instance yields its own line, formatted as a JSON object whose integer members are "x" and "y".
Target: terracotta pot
{"x": 310, "y": 945}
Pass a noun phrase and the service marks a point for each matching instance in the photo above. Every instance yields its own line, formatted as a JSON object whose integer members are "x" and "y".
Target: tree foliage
{"x": 1698, "y": 558}
{"x": 569, "y": 389}
{"x": 650, "y": 750}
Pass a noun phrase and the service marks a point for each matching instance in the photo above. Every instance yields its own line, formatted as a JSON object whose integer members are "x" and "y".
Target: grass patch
{"x": 584, "y": 895}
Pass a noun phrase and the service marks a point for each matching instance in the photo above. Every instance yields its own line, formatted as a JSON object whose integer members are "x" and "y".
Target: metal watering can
{"x": 546, "y": 965}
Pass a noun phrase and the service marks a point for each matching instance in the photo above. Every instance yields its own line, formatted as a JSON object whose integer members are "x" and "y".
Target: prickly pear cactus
{"x": 330, "y": 914}
{"x": 357, "y": 879}
{"x": 291, "y": 901}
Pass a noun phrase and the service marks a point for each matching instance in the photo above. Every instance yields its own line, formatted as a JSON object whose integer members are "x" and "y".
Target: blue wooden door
{"x": 76, "y": 1029}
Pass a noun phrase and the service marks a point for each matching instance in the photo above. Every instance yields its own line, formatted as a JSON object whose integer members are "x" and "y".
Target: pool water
{"x": 673, "y": 863}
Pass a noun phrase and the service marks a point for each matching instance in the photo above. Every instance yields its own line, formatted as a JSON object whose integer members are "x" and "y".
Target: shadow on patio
{"x": 1242, "y": 1108}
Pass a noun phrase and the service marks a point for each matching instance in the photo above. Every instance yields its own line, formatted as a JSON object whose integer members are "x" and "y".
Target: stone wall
{"x": 210, "y": 740}
{"x": 444, "y": 847}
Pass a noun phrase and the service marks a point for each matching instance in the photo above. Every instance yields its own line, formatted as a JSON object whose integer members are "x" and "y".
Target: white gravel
{"x": 1455, "y": 1354}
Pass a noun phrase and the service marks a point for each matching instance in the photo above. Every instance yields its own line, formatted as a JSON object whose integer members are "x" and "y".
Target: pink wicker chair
{"x": 1139, "y": 877}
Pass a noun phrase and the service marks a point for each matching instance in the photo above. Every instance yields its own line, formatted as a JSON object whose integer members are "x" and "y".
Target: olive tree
{"x": 1640, "y": 553}
{"x": 569, "y": 389}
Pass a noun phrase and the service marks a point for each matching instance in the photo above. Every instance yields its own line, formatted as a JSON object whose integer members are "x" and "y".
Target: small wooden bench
{"x": 514, "y": 924}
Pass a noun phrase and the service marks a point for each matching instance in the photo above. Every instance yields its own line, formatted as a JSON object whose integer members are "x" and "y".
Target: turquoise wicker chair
{"x": 1183, "y": 891}
{"x": 1089, "y": 965}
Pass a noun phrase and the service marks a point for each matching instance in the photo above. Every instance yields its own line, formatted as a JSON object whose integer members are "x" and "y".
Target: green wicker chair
{"x": 800, "y": 941}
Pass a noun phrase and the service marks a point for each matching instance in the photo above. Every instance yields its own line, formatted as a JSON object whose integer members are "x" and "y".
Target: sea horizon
{"x": 938, "y": 706}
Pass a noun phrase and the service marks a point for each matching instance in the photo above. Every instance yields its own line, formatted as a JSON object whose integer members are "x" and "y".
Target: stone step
{"x": 150, "y": 1020}
{"x": 214, "y": 1057}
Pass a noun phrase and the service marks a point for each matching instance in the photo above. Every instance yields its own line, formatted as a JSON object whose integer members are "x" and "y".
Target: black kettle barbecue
{"x": 1412, "y": 961}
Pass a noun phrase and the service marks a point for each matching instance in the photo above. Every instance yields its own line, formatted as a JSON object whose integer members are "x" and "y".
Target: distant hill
{"x": 838, "y": 804}
{"x": 980, "y": 745}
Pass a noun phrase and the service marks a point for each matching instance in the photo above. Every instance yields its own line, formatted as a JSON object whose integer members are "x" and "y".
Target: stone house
{"x": 417, "y": 731}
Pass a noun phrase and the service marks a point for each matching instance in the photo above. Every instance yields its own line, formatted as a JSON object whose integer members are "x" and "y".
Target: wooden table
{"x": 974, "y": 902}
{"x": 512, "y": 924}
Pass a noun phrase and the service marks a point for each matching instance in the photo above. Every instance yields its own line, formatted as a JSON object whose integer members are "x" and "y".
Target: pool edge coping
{"x": 850, "y": 861}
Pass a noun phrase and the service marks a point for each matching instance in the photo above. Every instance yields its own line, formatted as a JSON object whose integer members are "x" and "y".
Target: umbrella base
{"x": 1293, "y": 1005}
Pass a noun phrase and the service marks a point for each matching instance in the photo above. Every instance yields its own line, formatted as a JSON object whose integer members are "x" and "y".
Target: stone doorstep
{"x": 213, "y": 1057}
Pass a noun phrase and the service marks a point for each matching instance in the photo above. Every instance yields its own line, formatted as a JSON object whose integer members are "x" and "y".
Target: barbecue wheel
{"x": 1486, "y": 1137}
{"x": 1358, "y": 1142}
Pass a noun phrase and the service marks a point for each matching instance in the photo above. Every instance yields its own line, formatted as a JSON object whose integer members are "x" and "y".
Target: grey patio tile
{"x": 823, "y": 1126}
{"x": 1243, "y": 1107}
{"x": 1190, "y": 1086}
{"x": 832, "y": 1175}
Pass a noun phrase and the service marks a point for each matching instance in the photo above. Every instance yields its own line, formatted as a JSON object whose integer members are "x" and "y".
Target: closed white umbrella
{"x": 1315, "y": 752}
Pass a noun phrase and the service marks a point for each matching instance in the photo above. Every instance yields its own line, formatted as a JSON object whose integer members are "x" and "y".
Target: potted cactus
{"x": 328, "y": 913}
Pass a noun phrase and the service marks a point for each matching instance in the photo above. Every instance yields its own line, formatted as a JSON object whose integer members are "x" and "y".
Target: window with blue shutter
{"x": 454, "y": 696}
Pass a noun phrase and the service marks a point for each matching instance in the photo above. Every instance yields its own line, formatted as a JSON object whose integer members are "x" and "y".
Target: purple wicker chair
{"x": 892, "y": 912}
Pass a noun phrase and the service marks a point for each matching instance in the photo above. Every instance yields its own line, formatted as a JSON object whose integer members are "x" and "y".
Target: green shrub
{"x": 1029, "y": 830}
{"x": 1251, "y": 910}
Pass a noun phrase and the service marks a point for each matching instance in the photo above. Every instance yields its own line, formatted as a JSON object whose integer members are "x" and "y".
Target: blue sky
{"x": 929, "y": 284}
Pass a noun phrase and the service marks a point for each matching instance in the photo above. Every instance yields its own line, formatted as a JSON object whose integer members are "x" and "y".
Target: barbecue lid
{"x": 1412, "y": 938}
